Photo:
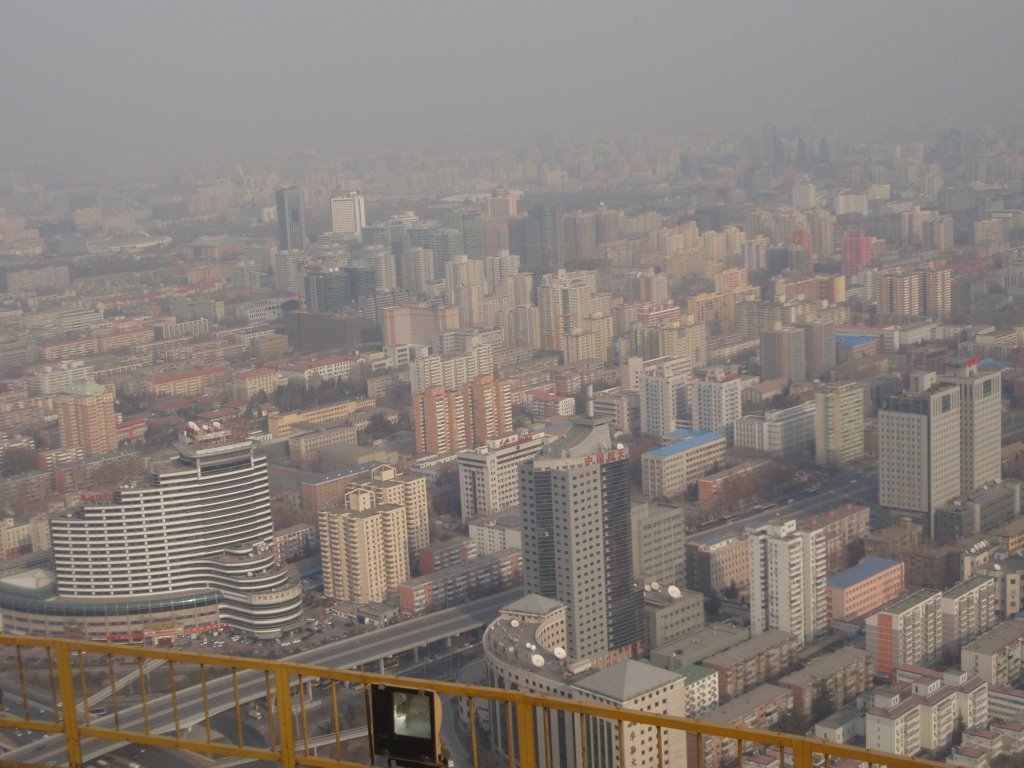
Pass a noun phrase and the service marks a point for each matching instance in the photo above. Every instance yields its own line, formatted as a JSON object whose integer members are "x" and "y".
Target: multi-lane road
{"x": 345, "y": 654}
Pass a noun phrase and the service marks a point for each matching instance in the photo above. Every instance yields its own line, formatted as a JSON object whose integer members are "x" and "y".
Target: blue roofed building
{"x": 871, "y": 584}
{"x": 688, "y": 455}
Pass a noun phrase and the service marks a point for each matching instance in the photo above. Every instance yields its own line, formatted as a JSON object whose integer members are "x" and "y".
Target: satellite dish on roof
{"x": 537, "y": 660}
{"x": 674, "y": 592}
{"x": 559, "y": 652}
{"x": 655, "y": 586}
{"x": 647, "y": 587}
{"x": 193, "y": 426}
{"x": 216, "y": 425}
{"x": 514, "y": 622}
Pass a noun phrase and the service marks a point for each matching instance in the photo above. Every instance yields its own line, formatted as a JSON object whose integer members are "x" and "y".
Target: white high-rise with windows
{"x": 197, "y": 523}
{"x": 662, "y": 390}
{"x": 788, "y": 571}
{"x": 348, "y": 214}
{"x": 716, "y": 402}
{"x": 489, "y": 476}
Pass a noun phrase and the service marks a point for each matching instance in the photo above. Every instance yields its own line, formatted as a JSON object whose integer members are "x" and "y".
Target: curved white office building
{"x": 197, "y": 524}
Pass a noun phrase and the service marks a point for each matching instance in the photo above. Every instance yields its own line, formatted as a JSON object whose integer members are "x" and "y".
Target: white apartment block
{"x": 313, "y": 371}
{"x": 662, "y": 388}
{"x": 788, "y": 571}
{"x": 667, "y": 471}
{"x": 450, "y": 373}
{"x": 922, "y": 711}
{"x": 968, "y": 610}
{"x": 907, "y": 632}
{"x": 779, "y": 432}
{"x": 496, "y": 533}
{"x": 701, "y": 689}
{"x": 716, "y": 401}
{"x": 489, "y": 476}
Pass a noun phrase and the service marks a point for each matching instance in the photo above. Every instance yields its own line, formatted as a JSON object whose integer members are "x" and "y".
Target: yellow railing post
{"x": 527, "y": 736}
{"x": 69, "y": 715}
{"x": 286, "y": 728}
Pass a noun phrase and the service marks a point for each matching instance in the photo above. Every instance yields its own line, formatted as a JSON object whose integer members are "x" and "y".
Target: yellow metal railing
{"x": 257, "y": 709}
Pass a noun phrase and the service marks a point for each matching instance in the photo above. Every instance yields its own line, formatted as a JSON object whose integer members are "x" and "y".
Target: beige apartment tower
{"x": 364, "y": 549}
{"x": 87, "y": 419}
{"x": 839, "y": 424}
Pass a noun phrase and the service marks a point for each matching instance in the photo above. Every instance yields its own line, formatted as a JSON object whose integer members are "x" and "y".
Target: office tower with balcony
{"x": 291, "y": 219}
{"x": 788, "y": 572}
{"x": 195, "y": 535}
{"x": 577, "y": 539}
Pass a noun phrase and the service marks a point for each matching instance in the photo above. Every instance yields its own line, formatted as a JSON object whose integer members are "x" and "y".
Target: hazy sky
{"x": 144, "y": 78}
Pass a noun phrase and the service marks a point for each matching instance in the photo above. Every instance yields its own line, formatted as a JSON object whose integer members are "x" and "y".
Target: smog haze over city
{"x": 142, "y": 84}
{"x": 382, "y": 359}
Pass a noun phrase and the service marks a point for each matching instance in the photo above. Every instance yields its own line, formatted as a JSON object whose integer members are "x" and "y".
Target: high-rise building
{"x": 408, "y": 491}
{"x": 471, "y": 223}
{"x": 464, "y": 278}
{"x": 788, "y": 580}
{"x": 348, "y": 214}
{"x": 981, "y": 423}
{"x": 502, "y": 205}
{"x": 196, "y": 531}
{"x": 838, "y": 424}
{"x": 291, "y": 219}
{"x": 820, "y": 346}
{"x": 856, "y": 252}
{"x": 576, "y": 539}
{"x": 489, "y": 476}
{"x": 564, "y": 299}
{"x": 783, "y": 354}
{"x": 579, "y": 233}
{"x": 822, "y": 227}
{"x": 716, "y": 401}
{"x": 659, "y": 543}
{"x": 537, "y": 239}
{"x": 289, "y": 271}
{"x": 417, "y": 270}
{"x": 662, "y": 389}
{"x": 447, "y": 421}
{"x": 919, "y": 450}
{"x": 445, "y": 243}
{"x": 87, "y": 419}
{"x": 327, "y": 291}
{"x": 364, "y": 549}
